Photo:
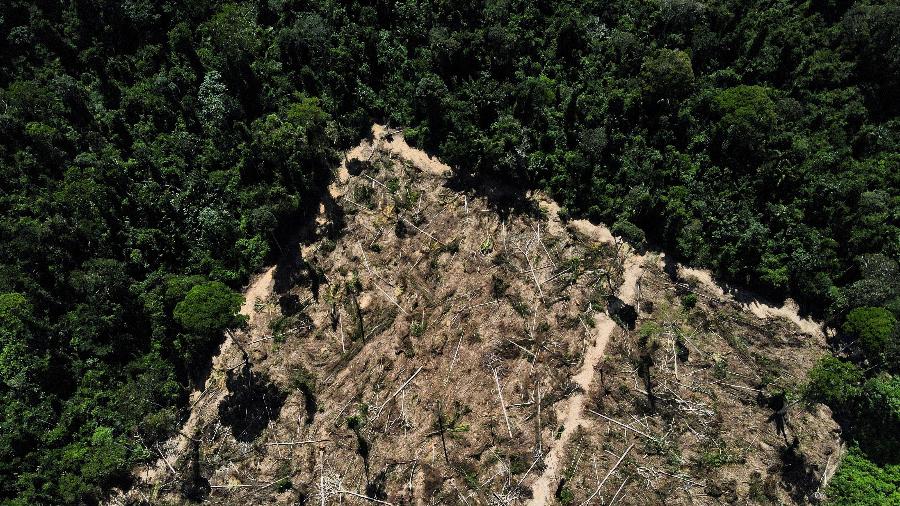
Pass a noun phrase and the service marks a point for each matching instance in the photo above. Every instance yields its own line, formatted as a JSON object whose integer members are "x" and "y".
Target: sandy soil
{"x": 392, "y": 141}
{"x": 574, "y": 417}
{"x": 599, "y": 233}
{"x": 417, "y": 278}
{"x": 789, "y": 311}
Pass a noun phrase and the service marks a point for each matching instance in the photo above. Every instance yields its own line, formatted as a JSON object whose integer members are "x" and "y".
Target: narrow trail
{"x": 544, "y": 487}
{"x": 749, "y": 302}
{"x": 209, "y": 398}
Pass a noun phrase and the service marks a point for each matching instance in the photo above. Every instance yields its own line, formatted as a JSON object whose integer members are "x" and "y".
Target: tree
{"x": 747, "y": 116}
{"x": 208, "y": 310}
{"x": 860, "y": 482}
{"x": 667, "y": 75}
{"x": 834, "y": 382}
{"x": 879, "y": 413}
{"x": 230, "y": 40}
{"x": 213, "y": 98}
{"x": 876, "y": 330}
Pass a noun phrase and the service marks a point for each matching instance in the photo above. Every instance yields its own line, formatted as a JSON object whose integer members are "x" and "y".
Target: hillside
{"x": 430, "y": 343}
{"x": 156, "y": 157}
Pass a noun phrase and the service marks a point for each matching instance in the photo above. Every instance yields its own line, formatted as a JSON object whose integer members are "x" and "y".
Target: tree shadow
{"x": 195, "y": 487}
{"x": 252, "y": 402}
{"x": 623, "y": 313}
{"x": 504, "y": 198}
{"x": 291, "y": 268}
{"x": 800, "y": 476}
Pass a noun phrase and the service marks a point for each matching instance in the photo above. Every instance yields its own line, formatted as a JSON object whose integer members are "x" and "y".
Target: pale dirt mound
{"x": 392, "y": 141}
{"x": 433, "y": 353}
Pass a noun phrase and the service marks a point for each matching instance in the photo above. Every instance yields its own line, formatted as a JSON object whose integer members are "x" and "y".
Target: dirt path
{"x": 789, "y": 311}
{"x": 393, "y": 141}
{"x": 203, "y": 401}
{"x": 598, "y": 233}
{"x": 545, "y": 486}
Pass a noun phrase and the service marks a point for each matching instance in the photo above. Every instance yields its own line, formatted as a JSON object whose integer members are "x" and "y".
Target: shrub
{"x": 860, "y": 482}
{"x": 630, "y": 232}
{"x": 876, "y": 329}
{"x": 834, "y": 382}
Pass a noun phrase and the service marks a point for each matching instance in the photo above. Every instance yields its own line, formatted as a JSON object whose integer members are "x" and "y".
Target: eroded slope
{"x": 421, "y": 347}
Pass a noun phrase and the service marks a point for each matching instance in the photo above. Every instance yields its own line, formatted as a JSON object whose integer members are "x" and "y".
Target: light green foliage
{"x": 860, "y": 482}
{"x": 17, "y": 364}
{"x": 834, "y": 382}
{"x": 748, "y": 116}
{"x": 689, "y": 300}
{"x": 876, "y": 329}
{"x": 230, "y": 39}
{"x": 210, "y": 308}
{"x": 630, "y": 232}
{"x": 213, "y": 100}
{"x": 667, "y": 74}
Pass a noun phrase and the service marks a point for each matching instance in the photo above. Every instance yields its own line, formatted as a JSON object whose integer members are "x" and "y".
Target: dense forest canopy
{"x": 155, "y": 154}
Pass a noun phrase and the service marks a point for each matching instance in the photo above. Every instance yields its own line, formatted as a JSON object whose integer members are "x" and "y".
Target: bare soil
{"x": 431, "y": 352}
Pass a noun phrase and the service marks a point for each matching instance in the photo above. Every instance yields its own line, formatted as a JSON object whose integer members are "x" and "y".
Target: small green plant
{"x": 284, "y": 485}
{"x": 408, "y": 198}
{"x": 362, "y": 194}
{"x": 648, "y": 333}
{"x": 393, "y": 185}
{"x": 689, "y": 301}
{"x": 720, "y": 368}
{"x": 717, "y": 457}
{"x": 565, "y": 495}
{"x": 354, "y": 284}
{"x": 487, "y": 245}
{"x": 280, "y": 327}
{"x": 519, "y": 305}
{"x": 470, "y": 478}
{"x": 327, "y": 246}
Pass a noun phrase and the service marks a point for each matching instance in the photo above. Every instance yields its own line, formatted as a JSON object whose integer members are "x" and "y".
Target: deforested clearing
{"x": 427, "y": 345}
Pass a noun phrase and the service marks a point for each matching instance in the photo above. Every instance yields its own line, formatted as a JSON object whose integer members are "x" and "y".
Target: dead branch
{"x": 361, "y": 496}
{"x": 502, "y": 403}
{"x": 383, "y": 292}
{"x": 455, "y": 356}
{"x": 296, "y": 443}
{"x": 616, "y": 495}
{"x": 519, "y": 346}
{"x": 397, "y": 392}
{"x": 608, "y": 474}
{"x": 413, "y": 225}
{"x": 624, "y": 425}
